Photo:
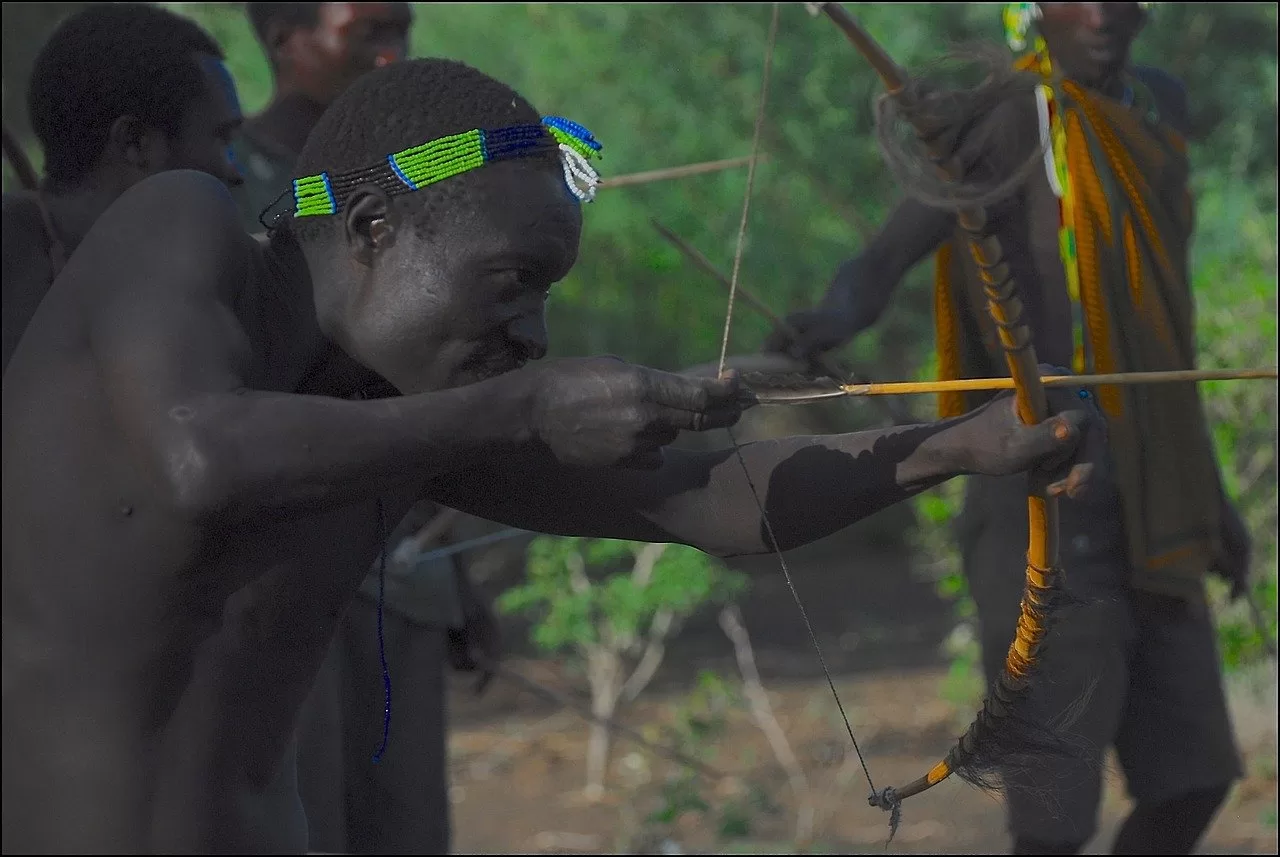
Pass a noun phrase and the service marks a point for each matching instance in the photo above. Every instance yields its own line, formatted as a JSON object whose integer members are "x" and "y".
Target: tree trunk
{"x": 603, "y": 672}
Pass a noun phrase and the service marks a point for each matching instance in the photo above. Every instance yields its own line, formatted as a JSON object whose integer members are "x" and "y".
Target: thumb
{"x": 1052, "y": 442}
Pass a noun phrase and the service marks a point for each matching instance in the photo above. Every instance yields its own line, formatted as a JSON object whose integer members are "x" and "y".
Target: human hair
{"x": 108, "y": 61}
{"x": 306, "y": 15}
{"x": 406, "y": 104}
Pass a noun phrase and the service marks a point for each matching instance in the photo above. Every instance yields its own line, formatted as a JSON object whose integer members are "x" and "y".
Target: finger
{"x": 692, "y": 394}
{"x": 1075, "y": 483}
{"x": 1052, "y": 442}
{"x": 1091, "y": 452}
{"x": 722, "y": 418}
{"x": 713, "y": 418}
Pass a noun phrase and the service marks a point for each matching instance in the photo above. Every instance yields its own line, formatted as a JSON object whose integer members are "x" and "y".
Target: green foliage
{"x": 572, "y": 616}
{"x": 700, "y": 720}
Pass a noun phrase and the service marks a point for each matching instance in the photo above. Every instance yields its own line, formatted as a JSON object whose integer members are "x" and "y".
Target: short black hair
{"x": 294, "y": 14}
{"x": 108, "y": 61}
{"x": 406, "y": 104}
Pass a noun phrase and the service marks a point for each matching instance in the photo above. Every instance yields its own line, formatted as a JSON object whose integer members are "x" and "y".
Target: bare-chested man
{"x": 191, "y": 497}
{"x": 1098, "y": 243}
{"x": 119, "y": 92}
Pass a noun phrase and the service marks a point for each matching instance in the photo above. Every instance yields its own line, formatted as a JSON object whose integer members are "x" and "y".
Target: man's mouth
{"x": 1104, "y": 48}
{"x": 494, "y": 366}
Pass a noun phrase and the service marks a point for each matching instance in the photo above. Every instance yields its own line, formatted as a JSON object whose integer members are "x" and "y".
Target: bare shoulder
{"x": 1170, "y": 95}
{"x": 178, "y": 228}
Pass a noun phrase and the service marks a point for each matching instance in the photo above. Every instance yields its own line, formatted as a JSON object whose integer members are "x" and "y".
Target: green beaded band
{"x": 429, "y": 163}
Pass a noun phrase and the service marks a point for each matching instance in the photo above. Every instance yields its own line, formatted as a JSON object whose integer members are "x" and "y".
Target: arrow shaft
{"x": 966, "y": 385}
{"x": 823, "y": 362}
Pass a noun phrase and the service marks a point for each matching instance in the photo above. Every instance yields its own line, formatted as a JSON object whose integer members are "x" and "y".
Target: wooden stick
{"x": 901, "y": 388}
{"x": 824, "y": 362}
{"x": 968, "y": 384}
{"x": 22, "y": 168}
{"x": 677, "y": 172}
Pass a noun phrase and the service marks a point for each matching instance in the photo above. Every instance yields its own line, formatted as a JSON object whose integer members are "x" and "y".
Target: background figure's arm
{"x": 174, "y": 359}
{"x": 864, "y": 285}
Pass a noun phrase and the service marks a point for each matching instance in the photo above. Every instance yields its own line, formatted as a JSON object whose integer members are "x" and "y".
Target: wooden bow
{"x": 1042, "y": 573}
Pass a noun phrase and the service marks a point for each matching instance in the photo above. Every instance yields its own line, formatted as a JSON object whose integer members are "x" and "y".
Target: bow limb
{"x": 1015, "y": 335}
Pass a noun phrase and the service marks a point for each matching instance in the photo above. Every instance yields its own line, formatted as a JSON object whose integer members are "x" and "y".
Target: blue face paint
{"x": 222, "y": 79}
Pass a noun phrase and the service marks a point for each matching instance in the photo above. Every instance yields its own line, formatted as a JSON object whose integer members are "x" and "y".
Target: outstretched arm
{"x": 810, "y": 486}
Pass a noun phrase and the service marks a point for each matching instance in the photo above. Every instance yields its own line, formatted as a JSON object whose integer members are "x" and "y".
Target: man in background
{"x": 119, "y": 92}
{"x": 1099, "y": 249}
{"x": 315, "y": 50}
{"x": 431, "y": 613}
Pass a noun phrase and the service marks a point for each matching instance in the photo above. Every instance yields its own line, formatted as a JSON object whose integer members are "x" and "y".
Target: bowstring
{"x": 751, "y": 181}
{"x": 724, "y": 349}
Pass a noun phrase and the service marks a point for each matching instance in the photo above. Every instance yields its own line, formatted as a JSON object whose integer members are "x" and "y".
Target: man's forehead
{"x": 1067, "y": 11}
{"x": 342, "y": 15}
{"x": 524, "y": 212}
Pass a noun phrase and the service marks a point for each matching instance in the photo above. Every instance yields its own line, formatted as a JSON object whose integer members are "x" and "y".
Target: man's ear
{"x": 136, "y": 146}
{"x": 371, "y": 222}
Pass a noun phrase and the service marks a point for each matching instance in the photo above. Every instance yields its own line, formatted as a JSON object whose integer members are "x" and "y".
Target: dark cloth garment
{"x": 1149, "y": 663}
{"x": 1132, "y": 220}
{"x": 399, "y": 805}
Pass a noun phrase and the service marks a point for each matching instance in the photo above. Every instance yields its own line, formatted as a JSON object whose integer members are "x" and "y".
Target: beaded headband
{"x": 441, "y": 159}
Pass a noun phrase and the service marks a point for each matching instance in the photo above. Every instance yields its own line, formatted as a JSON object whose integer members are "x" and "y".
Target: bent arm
{"x": 174, "y": 360}
{"x": 987, "y": 149}
{"x": 863, "y": 286}
{"x": 811, "y": 487}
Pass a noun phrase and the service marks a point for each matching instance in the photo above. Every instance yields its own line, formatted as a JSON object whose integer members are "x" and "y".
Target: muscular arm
{"x": 989, "y": 148}
{"x": 173, "y": 360}
{"x": 811, "y": 487}
{"x": 863, "y": 286}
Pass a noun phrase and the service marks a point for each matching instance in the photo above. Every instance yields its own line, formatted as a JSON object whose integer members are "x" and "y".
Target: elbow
{"x": 195, "y": 486}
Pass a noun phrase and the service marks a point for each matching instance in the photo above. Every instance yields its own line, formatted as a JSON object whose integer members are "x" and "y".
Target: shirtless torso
{"x": 191, "y": 495}
{"x": 169, "y": 632}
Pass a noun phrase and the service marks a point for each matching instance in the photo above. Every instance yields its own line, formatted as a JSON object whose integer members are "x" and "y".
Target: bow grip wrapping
{"x": 1007, "y": 311}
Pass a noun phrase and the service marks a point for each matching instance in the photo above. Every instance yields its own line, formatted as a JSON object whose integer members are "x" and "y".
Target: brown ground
{"x": 517, "y": 764}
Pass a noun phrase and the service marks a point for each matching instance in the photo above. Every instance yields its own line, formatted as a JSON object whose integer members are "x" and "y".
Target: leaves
{"x": 614, "y": 606}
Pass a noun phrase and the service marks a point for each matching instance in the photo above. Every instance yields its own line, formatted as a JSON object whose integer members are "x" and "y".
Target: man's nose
{"x": 1095, "y": 16}
{"x": 529, "y": 333}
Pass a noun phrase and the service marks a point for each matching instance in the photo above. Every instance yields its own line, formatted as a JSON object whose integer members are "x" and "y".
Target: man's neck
{"x": 74, "y": 211}
{"x": 1112, "y": 86}
{"x": 286, "y": 122}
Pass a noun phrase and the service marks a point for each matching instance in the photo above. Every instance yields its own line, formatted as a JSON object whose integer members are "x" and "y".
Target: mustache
{"x": 491, "y": 364}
